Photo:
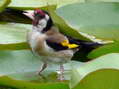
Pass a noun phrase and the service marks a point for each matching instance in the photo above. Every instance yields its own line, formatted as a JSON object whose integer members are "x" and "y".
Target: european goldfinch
{"x": 45, "y": 40}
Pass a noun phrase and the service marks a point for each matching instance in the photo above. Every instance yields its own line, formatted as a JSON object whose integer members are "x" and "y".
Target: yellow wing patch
{"x": 67, "y": 44}
{"x": 72, "y": 45}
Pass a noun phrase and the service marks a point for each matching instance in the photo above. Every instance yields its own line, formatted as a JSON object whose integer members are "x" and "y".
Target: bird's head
{"x": 40, "y": 19}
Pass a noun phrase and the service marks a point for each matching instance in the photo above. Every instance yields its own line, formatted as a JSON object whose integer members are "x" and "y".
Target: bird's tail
{"x": 85, "y": 47}
{"x": 84, "y": 43}
{"x": 84, "y": 50}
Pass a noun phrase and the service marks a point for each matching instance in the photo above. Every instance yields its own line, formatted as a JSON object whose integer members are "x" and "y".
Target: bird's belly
{"x": 59, "y": 57}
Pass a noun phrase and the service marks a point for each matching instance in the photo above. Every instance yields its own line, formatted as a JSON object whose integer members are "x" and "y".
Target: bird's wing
{"x": 72, "y": 43}
{"x": 59, "y": 41}
{"x": 56, "y": 46}
{"x": 62, "y": 45}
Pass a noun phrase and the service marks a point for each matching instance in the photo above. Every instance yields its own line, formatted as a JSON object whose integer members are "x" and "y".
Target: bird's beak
{"x": 29, "y": 14}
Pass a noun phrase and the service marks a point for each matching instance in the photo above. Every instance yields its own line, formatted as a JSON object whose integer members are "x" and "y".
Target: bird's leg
{"x": 42, "y": 68}
{"x": 61, "y": 74}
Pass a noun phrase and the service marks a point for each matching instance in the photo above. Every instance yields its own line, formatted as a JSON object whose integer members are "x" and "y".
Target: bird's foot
{"x": 42, "y": 68}
{"x": 61, "y": 73}
{"x": 38, "y": 73}
{"x": 61, "y": 77}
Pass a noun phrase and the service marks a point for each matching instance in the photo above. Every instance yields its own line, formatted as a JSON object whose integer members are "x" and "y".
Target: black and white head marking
{"x": 42, "y": 21}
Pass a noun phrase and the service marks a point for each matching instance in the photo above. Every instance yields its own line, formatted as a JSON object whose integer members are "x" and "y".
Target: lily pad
{"x": 97, "y": 19}
{"x": 32, "y": 4}
{"x": 13, "y": 36}
{"x": 13, "y": 33}
{"x": 8, "y": 83}
{"x": 26, "y": 4}
{"x": 109, "y": 61}
{"x": 101, "y": 1}
{"x": 14, "y": 46}
{"x": 24, "y": 65}
{"x": 18, "y": 61}
{"x": 109, "y": 48}
{"x": 64, "y": 28}
{"x": 103, "y": 79}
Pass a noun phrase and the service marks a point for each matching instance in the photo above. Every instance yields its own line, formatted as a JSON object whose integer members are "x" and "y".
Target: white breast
{"x": 33, "y": 39}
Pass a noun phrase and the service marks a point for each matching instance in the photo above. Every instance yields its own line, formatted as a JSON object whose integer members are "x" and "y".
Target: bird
{"x": 46, "y": 40}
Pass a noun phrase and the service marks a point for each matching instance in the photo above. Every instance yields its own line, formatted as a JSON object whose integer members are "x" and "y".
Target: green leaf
{"x": 101, "y": 1}
{"x": 18, "y": 62}
{"x": 102, "y": 79}
{"x": 13, "y": 33}
{"x": 32, "y": 4}
{"x": 63, "y": 27}
{"x": 8, "y": 83}
{"x": 80, "y": 74}
{"x": 13, "y": 36}
{"x": 3, "y": 4}
{"x": 109, "y": 48}
{"x": 24, "y": 65}
{"x": 65, "y": 2}
{"x": 97, "y": 19}
{"x": 14, "y": 46}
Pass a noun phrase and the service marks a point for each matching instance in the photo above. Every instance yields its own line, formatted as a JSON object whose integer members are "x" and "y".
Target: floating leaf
{"x": 13, "y": 33}
{"x": 103, "y": 79}
{"x": 98, "y": 19}
{"x": 109, "y": 61}
{"x": 8, "y": 83}
{"x": 18, "y": 61}
{"x": 109, "y": 48}
{"x": 14, "y": 46}
{"x": 101, "y": 1}
{"x": 63, "y": 27}
{"x": 23, "y": 65}
{"x": 32, "y": 4}
{"x": 13, "y": 36}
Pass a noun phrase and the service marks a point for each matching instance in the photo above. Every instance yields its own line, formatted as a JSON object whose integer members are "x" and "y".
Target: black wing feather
{"x": 56, "y": 46}
{"x": 81, "y": 43}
